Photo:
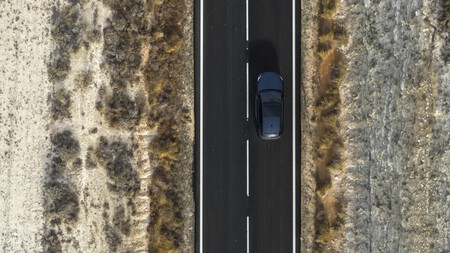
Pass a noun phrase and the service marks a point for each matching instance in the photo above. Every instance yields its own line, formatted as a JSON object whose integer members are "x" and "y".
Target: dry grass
{"x": 124, "y": 40}
{"x": 328, "y": 143}
{"x": 136, "y": 29}
{"x": 61, "y": 203}
{"x": 61, "y": 103}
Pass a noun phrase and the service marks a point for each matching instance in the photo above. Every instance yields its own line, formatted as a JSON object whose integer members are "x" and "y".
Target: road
{"x": 244, "y": 185}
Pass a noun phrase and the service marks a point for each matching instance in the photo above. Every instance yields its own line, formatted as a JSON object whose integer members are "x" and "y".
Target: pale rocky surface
{"x": 395, "y": 123}
{"x": 397, "y": 126}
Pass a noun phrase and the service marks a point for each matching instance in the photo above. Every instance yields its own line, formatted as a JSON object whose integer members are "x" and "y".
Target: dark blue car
{"x": 269, "y": 105}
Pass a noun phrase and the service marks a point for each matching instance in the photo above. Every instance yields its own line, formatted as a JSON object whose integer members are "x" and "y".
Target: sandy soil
{"x": 25, "y": 45}
{"x": 89, "y": 163}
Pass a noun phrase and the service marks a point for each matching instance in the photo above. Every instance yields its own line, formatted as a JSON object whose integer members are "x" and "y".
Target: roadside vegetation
{"x": 171, "y": 116}
{"x": 61, "y": 203}
{"x": 328, "y": 144}
{"x": 137, "y": 51}
{"x": 61, "y": 196}
{"x": 145, "y": 110}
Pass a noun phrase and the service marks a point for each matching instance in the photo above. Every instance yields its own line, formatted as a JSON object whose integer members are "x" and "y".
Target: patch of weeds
{"x": 65, "y": 145}
{"x": 85, "y": 79}
{"x": 113, "y": 237}
{"x": 444, "y": 17}
{"x": 326, "y": 26}
{"x": 167, "y": 114}
{"x": 70, "y": 32}
{"x": 59, "y": 65}
{"x": 115, "y": 157}
{"x": 340, "y": 33}
{"x": 51, "y": 242}
{"x": 329, "y": 215}
{"x": 61, "y": 200}
{"x": 328, "y": 7}
{"x": 67, "y": 26}
{"x": 324, "y": 46}
{"x": 129, "y": 16}
{"x": 76, "y": 164}
{"x": 124, "y": 36}
{"x": 121, "y": 110}
{"x": 165, "y": 227}
{"x": 93, "y": 130}
{"x": 121, "y": 220}
{"x": 66, "y": 29}
{"x": 445, "y": 51}
{"x": 90, "y": 158}
{"x": 93, "y": 35}
{"x": 122, "y": 55}
{"x": 56, "y": 168}
{"x": 61, "y": 102}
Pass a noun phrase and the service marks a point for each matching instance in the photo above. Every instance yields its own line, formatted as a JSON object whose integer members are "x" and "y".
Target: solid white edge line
{"x": 248, "y": 234}
{"x": 247, "y": 70}
{"x": 294, "y": 197}
{"x": 201, "y": 129}
{"x": 248, "y": 168}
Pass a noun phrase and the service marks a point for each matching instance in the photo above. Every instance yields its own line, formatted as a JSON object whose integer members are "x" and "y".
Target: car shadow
{"x": 262, "y": 57}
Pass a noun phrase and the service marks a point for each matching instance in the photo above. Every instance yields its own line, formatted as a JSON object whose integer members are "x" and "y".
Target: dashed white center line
{"x": 246, "y": 100}
{"x": 248, "y": 234}
{"x": 248, "y": 169}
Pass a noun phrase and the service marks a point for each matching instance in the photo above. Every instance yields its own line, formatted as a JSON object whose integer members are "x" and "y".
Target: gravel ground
{"x": 397, "y": 127}
{"x": 394, "y": 121}
{"x": 309, "y": 34}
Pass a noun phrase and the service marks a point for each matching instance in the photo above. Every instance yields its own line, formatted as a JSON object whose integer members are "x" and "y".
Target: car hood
{"x": 271, "y": 126}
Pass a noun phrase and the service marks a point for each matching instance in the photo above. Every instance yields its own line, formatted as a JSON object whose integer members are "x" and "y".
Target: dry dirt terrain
{"x": 375, "y": 126}
{"x": 96, "y": 126}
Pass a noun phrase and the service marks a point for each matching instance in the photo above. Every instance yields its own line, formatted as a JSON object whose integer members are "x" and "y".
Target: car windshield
{"x": 271, "y": 103}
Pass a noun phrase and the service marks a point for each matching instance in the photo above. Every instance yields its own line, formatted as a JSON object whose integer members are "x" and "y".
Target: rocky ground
{"x": 96, "y": 115}
{"x": 389, "y": 177}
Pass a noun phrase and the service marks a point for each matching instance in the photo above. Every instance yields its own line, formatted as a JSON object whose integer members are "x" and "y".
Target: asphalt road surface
{"x": 244, "y": 184}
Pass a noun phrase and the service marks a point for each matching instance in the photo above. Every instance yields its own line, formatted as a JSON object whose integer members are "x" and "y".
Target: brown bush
{"x": 328, "y": 143}
{"x": 64, "y": 145}
{"x": 61, "y": 200}
{"x": 51, "y": 242}
{"x": 128, "y": 30}
{"x": 115, "y": 157}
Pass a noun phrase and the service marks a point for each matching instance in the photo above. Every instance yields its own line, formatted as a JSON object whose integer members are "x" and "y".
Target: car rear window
{"x": 270, "y": 96}
{"x": 271, "y": 109}
{"x": 271, "y": 103}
